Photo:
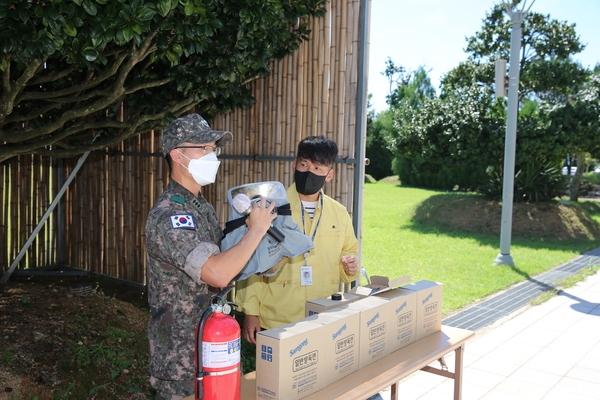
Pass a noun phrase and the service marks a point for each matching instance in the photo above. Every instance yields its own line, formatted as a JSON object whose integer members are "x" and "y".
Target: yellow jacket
{"x": 280, "y": 299}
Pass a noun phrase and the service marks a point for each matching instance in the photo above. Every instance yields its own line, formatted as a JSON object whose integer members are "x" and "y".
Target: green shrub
{"x": 463, "y": 176}
{"x": 248, "y": 357}
{"x": 539, "y": 182}
{"x": 534, "y": 182}
{"x": 592, "y": 178}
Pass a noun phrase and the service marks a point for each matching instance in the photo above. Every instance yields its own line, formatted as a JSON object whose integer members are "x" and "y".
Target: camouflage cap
{"x": 192, "y": 128}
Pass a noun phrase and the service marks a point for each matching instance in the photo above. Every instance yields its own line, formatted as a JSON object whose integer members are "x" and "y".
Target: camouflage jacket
{"x": 182, "y": 231}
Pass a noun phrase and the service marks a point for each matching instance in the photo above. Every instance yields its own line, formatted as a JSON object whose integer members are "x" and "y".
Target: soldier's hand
{"x": 261, "y": 216}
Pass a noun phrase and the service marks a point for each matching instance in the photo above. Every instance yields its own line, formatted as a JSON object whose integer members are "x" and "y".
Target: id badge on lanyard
{"x": 306, "y": 272}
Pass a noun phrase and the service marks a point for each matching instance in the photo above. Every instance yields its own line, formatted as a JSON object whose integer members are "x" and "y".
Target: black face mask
{"x": 308, "y": 183}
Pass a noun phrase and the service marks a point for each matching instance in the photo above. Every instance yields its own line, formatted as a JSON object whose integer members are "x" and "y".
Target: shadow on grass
{"x": 591, "y": 207}
{"x": 550, "y": 225}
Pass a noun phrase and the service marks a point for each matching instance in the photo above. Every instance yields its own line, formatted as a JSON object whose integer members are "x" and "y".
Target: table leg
{"x": 458, "y": 369}
{"x": 394, "y": 392}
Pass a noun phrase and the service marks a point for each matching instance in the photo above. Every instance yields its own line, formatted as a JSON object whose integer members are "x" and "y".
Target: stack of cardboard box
{"x": 342, "y": 334}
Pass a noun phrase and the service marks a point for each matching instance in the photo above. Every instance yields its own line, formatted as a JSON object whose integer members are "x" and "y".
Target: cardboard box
{"x": 429, "y": 307}
{"x": 289, "y": 361}
{"x": 319, "y": 305}
{"x": 402, "y": 330}
{"x": 341, "y": 337}
{"x": 375, "y": 319}
{"x": 379, "y": 284}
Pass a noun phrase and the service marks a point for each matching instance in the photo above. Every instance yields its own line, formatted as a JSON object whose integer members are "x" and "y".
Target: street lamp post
{"x": 505, "y": 258}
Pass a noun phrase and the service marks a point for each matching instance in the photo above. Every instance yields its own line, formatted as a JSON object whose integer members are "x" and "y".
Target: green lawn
{"x": 393, "y": 245}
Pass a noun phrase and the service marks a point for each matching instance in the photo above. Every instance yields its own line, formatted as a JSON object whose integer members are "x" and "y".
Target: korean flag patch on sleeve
{"x": 182, "y": 221}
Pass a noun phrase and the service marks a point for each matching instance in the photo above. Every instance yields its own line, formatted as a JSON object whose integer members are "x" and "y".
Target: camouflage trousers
{"x": 172, "y": 390}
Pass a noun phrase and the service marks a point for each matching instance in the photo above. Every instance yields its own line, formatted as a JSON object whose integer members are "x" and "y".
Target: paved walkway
{"x": 550, "y": 351}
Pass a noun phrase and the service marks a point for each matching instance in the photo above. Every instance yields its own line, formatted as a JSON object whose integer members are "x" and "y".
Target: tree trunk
{"x": 575, "y": 181}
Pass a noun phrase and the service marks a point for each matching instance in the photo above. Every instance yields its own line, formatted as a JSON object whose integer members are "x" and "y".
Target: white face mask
{"x": 203, "y": 169}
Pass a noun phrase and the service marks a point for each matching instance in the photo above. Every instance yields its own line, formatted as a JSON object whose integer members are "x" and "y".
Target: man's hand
{"x": 349, "y": 264}
{"x": 261, "y": 216}
{"x": 251, "y": 326}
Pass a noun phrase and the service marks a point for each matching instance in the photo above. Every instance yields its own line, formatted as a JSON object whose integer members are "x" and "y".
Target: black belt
{"x": 232, "y": 225}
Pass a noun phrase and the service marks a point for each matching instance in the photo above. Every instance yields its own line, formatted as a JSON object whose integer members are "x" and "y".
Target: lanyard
{"x": 316, "y": 226}
{"x": 318, "y": 221}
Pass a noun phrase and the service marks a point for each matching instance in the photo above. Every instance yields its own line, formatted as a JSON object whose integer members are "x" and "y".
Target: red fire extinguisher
{"x": 218, "y": 350}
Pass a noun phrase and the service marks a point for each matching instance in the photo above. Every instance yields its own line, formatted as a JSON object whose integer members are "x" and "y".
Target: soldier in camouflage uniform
{"x": 183, "y": 238}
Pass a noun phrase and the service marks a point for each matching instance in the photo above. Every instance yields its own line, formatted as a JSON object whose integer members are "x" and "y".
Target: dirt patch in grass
{"x": 470, "y": 213}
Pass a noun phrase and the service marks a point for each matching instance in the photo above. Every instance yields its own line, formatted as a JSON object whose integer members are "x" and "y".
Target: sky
{"x": 433, "y": 33}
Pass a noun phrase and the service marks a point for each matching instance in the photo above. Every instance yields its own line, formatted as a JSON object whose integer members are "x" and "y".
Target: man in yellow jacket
{"x": 269, "y": 302}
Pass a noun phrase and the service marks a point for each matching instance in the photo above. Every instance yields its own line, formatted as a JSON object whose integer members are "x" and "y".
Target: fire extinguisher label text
{"x": 221, "y": 354}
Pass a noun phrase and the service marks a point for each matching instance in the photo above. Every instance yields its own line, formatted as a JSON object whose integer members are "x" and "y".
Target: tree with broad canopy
{"x": 67, "y": 67}
{"x": 463, "y": 129}
{"x": 546, "y": 68}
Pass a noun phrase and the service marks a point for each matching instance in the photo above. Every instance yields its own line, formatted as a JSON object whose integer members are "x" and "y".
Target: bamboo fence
{"x": 101, "y": 222}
